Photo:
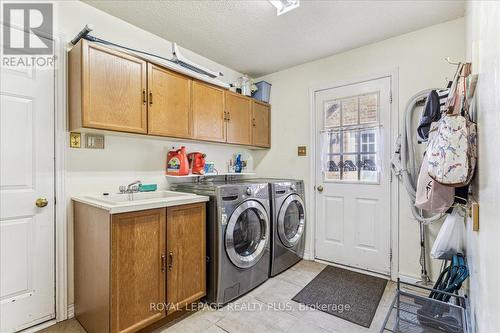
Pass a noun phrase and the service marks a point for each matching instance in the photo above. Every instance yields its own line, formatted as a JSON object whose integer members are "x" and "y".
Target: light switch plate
{"x": 75, "y": 140}
{"x": 301, "y": 151}
{"x": 94, "y": 141}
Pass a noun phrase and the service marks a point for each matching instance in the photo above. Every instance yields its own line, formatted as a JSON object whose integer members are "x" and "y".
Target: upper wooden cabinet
{"x": 107, "y": 89}
{"x": 186, "y": 274}
{"x": 208, "y": 112}
{"x": 138, "y": 268}
{"x": 117, "y": 91}
{"x": 169, "y": 110}
{"x": 238, "y": 118}
{"x": 261, "y": 124}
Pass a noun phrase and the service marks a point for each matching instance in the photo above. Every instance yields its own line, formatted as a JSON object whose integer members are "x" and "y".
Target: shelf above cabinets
{"x": 117, "y": 91}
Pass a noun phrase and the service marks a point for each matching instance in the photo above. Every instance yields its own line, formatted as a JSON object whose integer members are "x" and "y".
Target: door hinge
{"x": 390, "y": 97}
{"x": 390, "y": 177}
{"x": 390, "y": 255}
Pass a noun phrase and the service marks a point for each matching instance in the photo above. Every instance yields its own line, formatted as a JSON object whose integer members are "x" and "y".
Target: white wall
{"x": 419, "y": 58}
{"x": 126, "y": 157}
{"x": 483, "y": 247}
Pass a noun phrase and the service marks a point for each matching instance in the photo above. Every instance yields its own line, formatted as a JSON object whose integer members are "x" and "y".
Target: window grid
{"x": 365, "y": 146}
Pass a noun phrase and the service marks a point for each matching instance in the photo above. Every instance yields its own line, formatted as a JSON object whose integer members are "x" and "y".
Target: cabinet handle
{"x": 225, "y": 115}
{"x": 144, "y": 96}
{"x": 150, "y": 97}
{"x": 253, "y": 122}
{"x": 228, "y": 116}
{"x": 171, "y": 260}
{"x": 163, "y": 262}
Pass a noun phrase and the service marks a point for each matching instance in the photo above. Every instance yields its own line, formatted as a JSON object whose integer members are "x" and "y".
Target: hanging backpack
{"x": 452, "y": 152}
{"x": 432, "y": 196}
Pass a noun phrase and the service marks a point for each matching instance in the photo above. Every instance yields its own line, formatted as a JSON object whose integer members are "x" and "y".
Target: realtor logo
{"x": 37, "y": 21}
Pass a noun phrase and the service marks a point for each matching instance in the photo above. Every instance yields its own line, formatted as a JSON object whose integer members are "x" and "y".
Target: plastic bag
{"x": 451, "y": 237}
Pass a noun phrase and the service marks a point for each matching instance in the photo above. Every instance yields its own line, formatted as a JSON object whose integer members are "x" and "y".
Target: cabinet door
{"x": 114, "y": 86}
{"x": 261, "y": 124}
{"x": 169, "y": 109}
{"x": 186, "y": 258}
{"x": 208, "y": 112}
{"x": 138, "y": 262}
{"x": 239, "y": 118}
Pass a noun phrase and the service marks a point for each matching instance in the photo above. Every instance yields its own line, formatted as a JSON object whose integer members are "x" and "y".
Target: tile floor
{"x": 268, "y": 308}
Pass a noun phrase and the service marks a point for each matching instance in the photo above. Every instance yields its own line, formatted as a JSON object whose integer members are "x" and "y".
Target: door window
{"x": 351, "y": 139}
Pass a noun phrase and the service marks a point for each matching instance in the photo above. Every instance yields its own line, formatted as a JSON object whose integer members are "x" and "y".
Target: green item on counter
{"x": 147, "y": 187}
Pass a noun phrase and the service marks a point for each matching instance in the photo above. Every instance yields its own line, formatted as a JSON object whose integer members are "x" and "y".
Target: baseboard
{"x": 71, "y": 311}
{"x": 307, "y": 256}
{"x": 39, "y": 327}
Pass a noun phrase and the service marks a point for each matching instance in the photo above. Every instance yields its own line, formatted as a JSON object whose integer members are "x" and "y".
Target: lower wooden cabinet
{"x": 135, "y": 269}
{"x": 138, "y": 274}
{"x": 186, "y": 258}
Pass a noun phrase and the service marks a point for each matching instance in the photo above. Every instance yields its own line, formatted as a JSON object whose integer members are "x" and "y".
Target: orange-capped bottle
{"x": 177, "y": 162}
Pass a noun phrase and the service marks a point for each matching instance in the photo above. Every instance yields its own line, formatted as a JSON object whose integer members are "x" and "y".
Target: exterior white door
{"x": 26, "y": 174}
{"x": 353, "y": 208}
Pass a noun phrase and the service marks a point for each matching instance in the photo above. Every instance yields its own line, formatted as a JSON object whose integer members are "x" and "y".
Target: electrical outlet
{"x": 94, "y": 141}
{"x": 75, "y": 140}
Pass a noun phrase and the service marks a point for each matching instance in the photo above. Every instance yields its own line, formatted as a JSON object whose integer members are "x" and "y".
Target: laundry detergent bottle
{"x": 177, "y": 162}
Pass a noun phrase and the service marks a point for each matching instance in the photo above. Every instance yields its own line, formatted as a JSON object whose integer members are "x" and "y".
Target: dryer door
{"x": 247, "y": 234}
{"x": 291, "y": 220}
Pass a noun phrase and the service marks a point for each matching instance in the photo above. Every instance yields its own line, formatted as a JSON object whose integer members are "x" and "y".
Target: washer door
{"x": 247, "y": 233}
{"x": 291, "y": 220}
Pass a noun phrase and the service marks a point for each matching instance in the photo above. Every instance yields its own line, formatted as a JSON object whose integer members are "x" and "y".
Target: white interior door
{"x": 353, "y": 219}
{"x": 26, "y": 174}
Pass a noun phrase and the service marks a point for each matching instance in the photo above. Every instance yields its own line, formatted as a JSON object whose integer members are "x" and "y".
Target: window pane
{"x": 349, "y": 111}
{"x": 368, "y": 108}
{"x": 333, "y": 168}
{"x": 332, "y": 114}
{"x": 350, "y": 144}
{"x": 369, "y": 170}
{"x": 349, "y": 167}
{"x": 334, "y": 142}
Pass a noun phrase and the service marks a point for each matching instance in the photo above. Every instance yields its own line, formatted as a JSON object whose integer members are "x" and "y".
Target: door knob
{"x": 41, "y": 202}
{"x": 320, "y": 188}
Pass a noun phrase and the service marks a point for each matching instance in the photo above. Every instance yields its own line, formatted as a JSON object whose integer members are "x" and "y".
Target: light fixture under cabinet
{"x": 284, "y": 6}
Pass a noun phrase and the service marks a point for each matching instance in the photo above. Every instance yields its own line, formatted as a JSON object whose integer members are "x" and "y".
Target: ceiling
{"x": 248, "y": 36}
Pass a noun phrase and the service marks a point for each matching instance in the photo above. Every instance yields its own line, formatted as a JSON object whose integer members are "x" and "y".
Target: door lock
{"x": 320, "y": 188}
{"x": 41, "y": 202}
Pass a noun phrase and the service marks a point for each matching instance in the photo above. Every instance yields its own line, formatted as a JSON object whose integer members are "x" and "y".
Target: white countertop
{"x": 121, "y": 203}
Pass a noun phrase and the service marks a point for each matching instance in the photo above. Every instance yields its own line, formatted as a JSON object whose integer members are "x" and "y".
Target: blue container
{"x": 263, "y": 92}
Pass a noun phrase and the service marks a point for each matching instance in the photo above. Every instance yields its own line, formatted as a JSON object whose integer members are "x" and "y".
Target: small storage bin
{"x": 263, "y": 92}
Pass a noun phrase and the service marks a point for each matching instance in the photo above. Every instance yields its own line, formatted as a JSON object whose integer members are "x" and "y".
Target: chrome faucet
{"x": 131, "y": 188}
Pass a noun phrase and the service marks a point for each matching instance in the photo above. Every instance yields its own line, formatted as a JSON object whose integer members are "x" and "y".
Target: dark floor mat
{"x": 346, "y": 294}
